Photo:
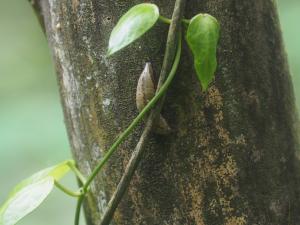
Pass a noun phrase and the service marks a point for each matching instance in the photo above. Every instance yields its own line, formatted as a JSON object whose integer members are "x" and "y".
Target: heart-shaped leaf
{"x": 30, "y": 193}
{"x": 202, "y": 37}
{"x": 132, "y": 25}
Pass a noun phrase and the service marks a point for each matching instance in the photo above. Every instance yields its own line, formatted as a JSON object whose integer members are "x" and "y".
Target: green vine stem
{"x": 78, "y": 207}
{"x": 67, "y": 191}
{"x": 127, "y": 132}
{"x": 129, "y": 129}
{"x": 170, "y": 63}
{"x": 164, "y": 19}
{"x": 186, "y": 21}
{"x": 168, "y": 21}
{"x": 136, "y": 155}
{"x": 141, "y": 115}
{"x": 80, "y": 176}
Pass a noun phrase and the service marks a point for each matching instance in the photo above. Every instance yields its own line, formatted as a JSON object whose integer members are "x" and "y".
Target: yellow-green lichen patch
{"x": 236, "y": 220}
{"x": 197, "y": 204}
{"x": 218, "y": 164}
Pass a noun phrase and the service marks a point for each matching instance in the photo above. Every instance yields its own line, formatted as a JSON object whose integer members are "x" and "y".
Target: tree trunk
{"x": 231, "y": 158}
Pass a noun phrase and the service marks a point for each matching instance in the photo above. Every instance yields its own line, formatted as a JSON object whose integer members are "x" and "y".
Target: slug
{"x": 144, "y": 93}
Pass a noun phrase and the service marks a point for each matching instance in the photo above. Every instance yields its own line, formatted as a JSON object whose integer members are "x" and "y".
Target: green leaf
{"x": 132, "y": 25}
{"x": 30, "y": 193}
{"x": 202, "y": 37}
{"x": 57, "y": 172}
{"x": 25, "y": 201}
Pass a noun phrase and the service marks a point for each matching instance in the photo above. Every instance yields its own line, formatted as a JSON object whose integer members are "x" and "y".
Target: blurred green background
{"x": 32, "y": 132}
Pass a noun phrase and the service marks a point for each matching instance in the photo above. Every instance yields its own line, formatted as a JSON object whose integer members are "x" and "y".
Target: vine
{"x": 201, "y": 34}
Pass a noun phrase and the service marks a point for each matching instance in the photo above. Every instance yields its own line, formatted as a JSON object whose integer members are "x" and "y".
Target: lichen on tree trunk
{"x": 231, "y": 156}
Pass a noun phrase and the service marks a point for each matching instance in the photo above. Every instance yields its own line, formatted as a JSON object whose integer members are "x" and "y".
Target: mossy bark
{"x": 231, "y": 158}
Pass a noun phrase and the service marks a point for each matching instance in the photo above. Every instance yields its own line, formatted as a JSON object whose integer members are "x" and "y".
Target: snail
{"x": 144, "y": 93}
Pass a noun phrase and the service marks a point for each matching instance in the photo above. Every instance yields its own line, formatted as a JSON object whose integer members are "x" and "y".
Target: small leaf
{"x": 25, "y": 201}
{"x": 57, "y": 172}
{"x": 30, "y": 193}
{"x": 132, "y": 25}
{"x": 202, "y": 37}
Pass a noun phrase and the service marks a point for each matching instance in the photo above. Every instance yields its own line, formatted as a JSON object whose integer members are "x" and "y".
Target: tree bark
{"x": 231, "y": 158}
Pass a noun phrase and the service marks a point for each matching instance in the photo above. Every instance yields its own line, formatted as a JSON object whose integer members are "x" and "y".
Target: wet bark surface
{"x": 231, "y": 158}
